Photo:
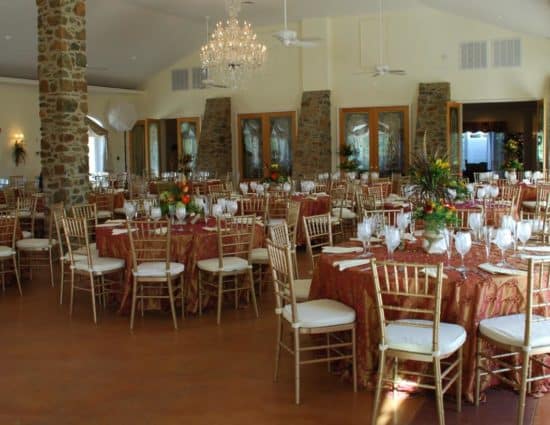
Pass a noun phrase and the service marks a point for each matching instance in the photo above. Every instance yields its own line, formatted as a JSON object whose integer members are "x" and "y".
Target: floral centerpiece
{"x": 513, "y": 152}
{"x": 178, "y": 195}
{"x": 436, "y": 215}
{"x": 275, "y": 174}
{"x": 349, "y": 163}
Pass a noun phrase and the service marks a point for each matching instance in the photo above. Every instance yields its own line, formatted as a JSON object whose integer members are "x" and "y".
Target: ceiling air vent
{"x": 473, "y": 55}
{"x": 180, "y": 79}
{"x": 199, "y": 75}
{"x": 507, "y": 53}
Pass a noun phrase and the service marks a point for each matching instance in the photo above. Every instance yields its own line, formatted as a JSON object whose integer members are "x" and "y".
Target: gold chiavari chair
{"x": 152, "y": 270}
{"x": 104, "y": 205}
{"x": 376, "y": 192}
{"x": 463, "y": 215}
{"x": 319, "y": 317}
{"x": 389, "y": 215}
{"x": 318, "y": 230}
{"x": 39, "y": 253}
{"x": 220, "y": 194}
{"x": 26, "y": 205}
{"x": 63, "y": 251}
{"x": 8, "y": 253}
{"x": 215, "y": 188}
{"x": 254, "y": 205}
{"x": 235, "y": 241}
{"x": 343, "y": 210}
{"x": 277, "y": 208}
{"x": 522, "y": 340}
{"x": 416, "y": 333}
{"x": 89, "y": 275}
{"x": 543, "y": 189}
{"x": 540, "y": 219}
{"x": 89, "y": 213}
{"x": 280, "y": 235}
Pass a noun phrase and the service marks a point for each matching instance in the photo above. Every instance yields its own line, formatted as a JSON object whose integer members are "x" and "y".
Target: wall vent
{"x": 506, "y": 53}
{"x": 180, "y": 79}
{"x": 199, "y": 75}
{"x": 473, "y": 55}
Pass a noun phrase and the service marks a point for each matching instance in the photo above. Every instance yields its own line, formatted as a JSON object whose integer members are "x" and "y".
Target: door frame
{"x": 454, "y": 105}
{"x": 197, "y": 121}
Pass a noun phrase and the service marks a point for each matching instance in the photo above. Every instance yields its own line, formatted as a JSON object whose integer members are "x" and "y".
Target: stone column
{"x": 63, "y": 99}
{"x": 312, "y": 152}
{"x": 432, "y": 116}
{"x": 215, "y": 149}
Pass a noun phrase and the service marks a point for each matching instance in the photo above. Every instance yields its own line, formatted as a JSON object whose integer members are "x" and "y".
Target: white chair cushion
{"x": 275, "y": 221}
{"x": 230, "y": 264}
{"x": 259, "y": 255}
{"x": 101, "y": 265}
{"x": 77, "y": 257}
{"x": 301, "y": 289}
{"x": 104, "y": 214}
{"x": 419, "y": 339}
{"x": 24, "y": 214}
{"x": 510, "y": 330}
{"x": 120, "y": 210}
{"x": 531, "y": 205}
{"x": 34, "y": 244}
{"x": 6, "y": 251}
{"x": 158, "y": 269}
{"x": 39, "y": 215}
{"x": 26, "y": 234}
{"x": 320, "y": 313}
{"x": 346, "y": 213}
{"x": 93, "y": 250}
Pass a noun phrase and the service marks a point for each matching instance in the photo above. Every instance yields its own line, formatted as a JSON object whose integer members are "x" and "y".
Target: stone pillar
{"x": 312, "y": 152}
{"x": 63, "y": 99}
{"x": 431, "y": 116}
{"x": 215, "y": 147}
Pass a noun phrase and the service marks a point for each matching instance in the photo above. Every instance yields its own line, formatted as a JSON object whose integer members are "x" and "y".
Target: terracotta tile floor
{"x": 57, "y": 370}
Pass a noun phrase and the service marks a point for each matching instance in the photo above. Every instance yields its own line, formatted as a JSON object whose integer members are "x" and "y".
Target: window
{"x": 97, "y": 146}
{"x": 189, "y": 130}
{"x": 378, "y": 136}
{"x": 266, "y": 139}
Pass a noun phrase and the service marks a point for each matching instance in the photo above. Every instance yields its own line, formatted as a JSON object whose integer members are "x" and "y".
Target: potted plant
{"x": 19, "y": 152}
{"x": 349, "y": 163}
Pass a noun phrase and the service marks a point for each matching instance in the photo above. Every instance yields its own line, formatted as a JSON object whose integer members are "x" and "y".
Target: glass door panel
{"x": 391, "y": 142}
{"x": 153, "y": 133}
{"x": 136, "y": 149}
{"x": 280, "y": 134}
{"x": 251, "y": 136}
{"x": 189, "y": 138}
{"x": 454, "y": 140}
{"x": 357, "y": 137}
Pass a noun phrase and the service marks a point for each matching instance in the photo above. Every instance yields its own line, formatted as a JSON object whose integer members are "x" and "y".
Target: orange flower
{"x": 185, "y": 199}
{"x": 185, "y": 189}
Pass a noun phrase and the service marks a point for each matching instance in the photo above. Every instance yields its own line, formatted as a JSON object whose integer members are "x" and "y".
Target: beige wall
{"x": 422, "y": 41}
{"x": 19, "y": 114}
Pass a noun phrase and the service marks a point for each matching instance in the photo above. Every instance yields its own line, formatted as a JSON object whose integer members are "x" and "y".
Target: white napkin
{"x": 322, "y": 194}
{"x": 491, "y": 268}
{"x": 348, "y": 264}
{"x": 373, "y": 239}
{"x": 210, "y": 229}
{"x": 107, "y": 224}
{"x": 536, "y": 248}
{"x": 117, "y": 221}
{"x": 162, "y": 231}
{"x": 534, "y": 257}
{"x": 341, "y": 249}
{"x": 121, "y": 231}
{"x": 432, "y": 272}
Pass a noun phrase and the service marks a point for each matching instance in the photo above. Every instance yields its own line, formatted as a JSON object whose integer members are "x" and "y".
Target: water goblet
{"x": 253, "y": 186}
{"x": 463, "y": 243}
{"x": 172, "y": 212}
{"x": 217, "y": 210}
{"x": 231, "y": 207}
{"x": 487, "y": 235}
{"x": 181, "y": 212}
{"x": 392, "y": 239}
{"x": 403, "y": 220}
{"x": 244, "y": 188}
{"x": 129, "y": 210}
{"x": 364, "y": 233}
{"x": 156, "y": 213}
{"x": 448, "y": 235}
{"x": 475, "y": 222}
{"x": 523, "y": 231}
{"x": 504, "y": 240}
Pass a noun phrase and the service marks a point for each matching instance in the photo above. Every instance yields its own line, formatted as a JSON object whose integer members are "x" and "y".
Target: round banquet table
{"x": 464, "y": 301}
{"x": 310, "y": 205}
{"x": 190, "y": 243}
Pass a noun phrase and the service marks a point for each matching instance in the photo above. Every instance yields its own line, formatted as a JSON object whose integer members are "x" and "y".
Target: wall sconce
{"x": 19, "y": 151}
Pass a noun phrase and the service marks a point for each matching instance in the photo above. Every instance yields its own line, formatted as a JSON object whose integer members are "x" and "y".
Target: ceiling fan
{"x": 381, "y": 68}
{"x": 289, "y": 38}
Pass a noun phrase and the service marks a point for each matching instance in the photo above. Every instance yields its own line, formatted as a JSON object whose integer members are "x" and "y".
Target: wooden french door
{"x": 378, "y": 137}
{"x": 266, "y": 139}
{"x": 144, "y": 148}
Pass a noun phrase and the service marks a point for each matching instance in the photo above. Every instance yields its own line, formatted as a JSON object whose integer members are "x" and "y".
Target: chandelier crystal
{"x": 232, "y": 51}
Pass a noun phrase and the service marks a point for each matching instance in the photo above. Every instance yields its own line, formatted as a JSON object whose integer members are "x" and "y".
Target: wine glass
{"x": 448, "y": 235}
{"x": 475, "y": 222}
{"x": 181, "y": 212}
{"x": 481, "y": 192}
{"x": 253, "y": 186}
{"x": 287, "y": 187}
{"x": 217, "y": 210}
{"x": 524, "y": 230}
{"x": 463, "y": 243}
{"x": 147, "y": 204}
{"x": 172, "y": 212}
{"x": 504, "y": 240}
{"x": 156, "y": 213}
{"x": 364, "y": 233}
{"x": 487, "y": 234}
{"x": 392, "y": 239}
{"x": 508, "y": 222}
{"x": 403, "y": 220}
{"x": 244, "y": 187}
{"x": 231, "y": 207}
{"x": 129, "y": 210}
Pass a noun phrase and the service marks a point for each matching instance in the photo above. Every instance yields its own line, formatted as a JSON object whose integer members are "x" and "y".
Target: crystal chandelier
{"x": 232, "y": 51}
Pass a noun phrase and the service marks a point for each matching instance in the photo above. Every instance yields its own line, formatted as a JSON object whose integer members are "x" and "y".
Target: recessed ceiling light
{"x": 8, "y": 37}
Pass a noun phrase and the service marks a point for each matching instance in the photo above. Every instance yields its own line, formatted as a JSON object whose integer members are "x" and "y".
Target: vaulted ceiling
{"x": 131, "y": 40}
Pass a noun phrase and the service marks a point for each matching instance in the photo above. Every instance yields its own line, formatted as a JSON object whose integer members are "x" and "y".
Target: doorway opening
{"x": 499, "y": 136}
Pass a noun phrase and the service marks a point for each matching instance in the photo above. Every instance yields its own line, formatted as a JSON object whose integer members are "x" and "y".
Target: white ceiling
{"x": 130, "y": 40}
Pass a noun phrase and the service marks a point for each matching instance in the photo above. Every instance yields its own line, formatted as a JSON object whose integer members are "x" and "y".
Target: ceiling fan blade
{"x": 304, "y": 43}
{"x": 212, "y": 83}
{"x": 397, "y": 72}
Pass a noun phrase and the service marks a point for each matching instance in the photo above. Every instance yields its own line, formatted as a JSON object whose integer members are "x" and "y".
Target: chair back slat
{"x": 538, "y": 296}
{"x": 150, "y": 242}
{"x": 389, "y": 216}
{"x": 283, "y": 278}
{"x": 77, "y": 239}
{"x": 235, "y": 237}
{"x": 256, "y": 205}
{"x": 88, "y": 212}
{"x": 8, "y": 228}
{"x": 318, "y": 230}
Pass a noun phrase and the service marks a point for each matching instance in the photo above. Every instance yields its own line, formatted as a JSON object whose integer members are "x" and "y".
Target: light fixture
{"x": 232, "y": 51}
